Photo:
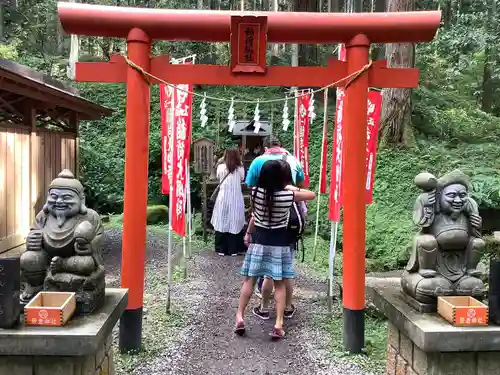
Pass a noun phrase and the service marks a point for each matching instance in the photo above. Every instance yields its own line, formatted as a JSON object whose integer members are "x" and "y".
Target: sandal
{"x": 277, "y": 334}
{"x": 290, "y": 313}
{"x": 240, "y": 329}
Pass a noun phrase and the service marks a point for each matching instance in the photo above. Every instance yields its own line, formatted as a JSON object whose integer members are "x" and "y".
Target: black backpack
{"x": 296, "y": 224}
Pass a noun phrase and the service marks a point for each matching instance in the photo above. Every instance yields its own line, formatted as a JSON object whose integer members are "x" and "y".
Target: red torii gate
{"x": 141, "y": 26}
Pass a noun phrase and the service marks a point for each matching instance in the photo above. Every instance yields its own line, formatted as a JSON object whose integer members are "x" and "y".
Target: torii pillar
{"x": 141, "y": 26}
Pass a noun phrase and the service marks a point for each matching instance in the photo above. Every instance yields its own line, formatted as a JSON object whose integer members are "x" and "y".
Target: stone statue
{"x": 446, "y": 252}
{"x": 63, "y": 248}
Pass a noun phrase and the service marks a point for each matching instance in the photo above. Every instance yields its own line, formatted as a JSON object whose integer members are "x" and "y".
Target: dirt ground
{"x": 207, "y": 300}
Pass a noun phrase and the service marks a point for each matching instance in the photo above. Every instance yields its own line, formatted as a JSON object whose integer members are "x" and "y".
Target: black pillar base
{"x": 131, "y": 331}
{"x": 494, "y": 291}
{"x": 354, "y": 330}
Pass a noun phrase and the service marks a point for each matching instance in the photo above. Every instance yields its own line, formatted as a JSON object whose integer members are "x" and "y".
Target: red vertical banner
{"x": 374, "y": 109}
{"x": 324, "y": 148}
{"x": 335, "y": 197}
{"x": 302, "y": 135}
{"x": 373, "y": 118}
{"x": 165, "y": 108}
{"x": 337, "y": 167}
{"x": 181, "y": 144}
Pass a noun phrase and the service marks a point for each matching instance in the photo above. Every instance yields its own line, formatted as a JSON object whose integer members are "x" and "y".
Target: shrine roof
{"x": 54, "y": 101}
{"x": 246, "y": 127}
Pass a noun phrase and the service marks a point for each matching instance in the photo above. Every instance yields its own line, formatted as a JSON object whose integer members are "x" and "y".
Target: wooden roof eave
{"x": 86, "y": 110}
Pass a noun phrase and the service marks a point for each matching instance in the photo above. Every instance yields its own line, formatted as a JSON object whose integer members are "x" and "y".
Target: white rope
{"x": 349, "y": 78}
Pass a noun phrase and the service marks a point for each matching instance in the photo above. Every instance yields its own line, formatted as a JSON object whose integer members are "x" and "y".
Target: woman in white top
{"x": 228, "y": 217}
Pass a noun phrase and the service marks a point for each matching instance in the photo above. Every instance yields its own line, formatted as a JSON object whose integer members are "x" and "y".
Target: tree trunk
{"x": 60, "y": 39}
{"x": 334, "y": 6}
{"x": 295, "y": 55}
{"x": 395, "y": 126}
{"x": 464, "y": 6}
{"x": 308, "y": 53}
{"x": 2, "y": 25}
{"x": 379, "y": 5}
{"x": 489, "y": 58}
{"x": 378, "y": 50}
{"x": 275, "y": 48}
{"x": 199, "y": 4}
{"x": 447, "y": 13}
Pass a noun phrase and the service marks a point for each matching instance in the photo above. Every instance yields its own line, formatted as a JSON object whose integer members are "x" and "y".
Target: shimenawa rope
{"x": 349, "y": 78}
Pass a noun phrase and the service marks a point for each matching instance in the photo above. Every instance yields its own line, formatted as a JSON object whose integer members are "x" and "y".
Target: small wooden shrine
{"x": 251, "y": 143}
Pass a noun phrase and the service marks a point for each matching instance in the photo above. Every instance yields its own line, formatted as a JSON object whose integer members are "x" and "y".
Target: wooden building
{"x": 39, "y": 119}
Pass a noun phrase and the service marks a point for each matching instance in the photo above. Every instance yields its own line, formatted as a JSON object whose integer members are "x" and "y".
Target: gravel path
{"x": 208, "y": 298}
{"x": 156, "y": 253}
{"x": 208, "y": 345}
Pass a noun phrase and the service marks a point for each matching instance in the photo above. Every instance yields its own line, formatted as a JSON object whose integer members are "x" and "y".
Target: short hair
{"x": 272, "y": 141}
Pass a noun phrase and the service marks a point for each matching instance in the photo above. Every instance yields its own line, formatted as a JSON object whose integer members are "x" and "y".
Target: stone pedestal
{"x": 81, "y": 347}
{"x": 426, "y": 344}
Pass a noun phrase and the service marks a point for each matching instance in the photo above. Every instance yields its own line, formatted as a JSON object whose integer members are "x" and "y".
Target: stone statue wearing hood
{"x": 448, "y": 248}
{"x": 63, "y": 248}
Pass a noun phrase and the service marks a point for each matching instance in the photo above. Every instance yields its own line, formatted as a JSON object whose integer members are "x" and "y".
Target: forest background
{"x": 451, "y": 121}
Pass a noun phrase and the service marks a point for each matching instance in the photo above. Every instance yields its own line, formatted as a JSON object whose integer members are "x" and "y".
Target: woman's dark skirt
{"x": 229, "y": 244}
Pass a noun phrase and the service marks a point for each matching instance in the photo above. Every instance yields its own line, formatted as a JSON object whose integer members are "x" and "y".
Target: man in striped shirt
{"x": 274, "y": 151}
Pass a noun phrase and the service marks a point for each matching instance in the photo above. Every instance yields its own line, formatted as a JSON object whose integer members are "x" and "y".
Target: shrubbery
{"x": 449, "y": 132}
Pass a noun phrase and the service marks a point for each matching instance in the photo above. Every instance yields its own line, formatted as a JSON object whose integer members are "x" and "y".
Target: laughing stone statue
{"x": 447, "y": 250}
{"x": 63, "y": 248}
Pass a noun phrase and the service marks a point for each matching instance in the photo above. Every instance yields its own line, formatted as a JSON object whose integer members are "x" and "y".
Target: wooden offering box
{"x": 50, "y": 309}
{"x": 463, "y": 311}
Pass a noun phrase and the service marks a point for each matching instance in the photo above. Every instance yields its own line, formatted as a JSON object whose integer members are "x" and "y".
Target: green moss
{"x": 492, "y": 248}
{"x": 157, "y": 215}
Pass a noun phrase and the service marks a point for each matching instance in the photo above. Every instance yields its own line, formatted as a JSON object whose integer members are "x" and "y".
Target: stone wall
{"x": 100, "y": 363}
{"x": 405, "y": 358}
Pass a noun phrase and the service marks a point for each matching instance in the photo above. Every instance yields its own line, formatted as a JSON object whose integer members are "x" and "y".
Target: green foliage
{"x": 492, "y": 247}
{"x": 102, "y": 149}
{"x": 375, "y": 341}
{"x": 389, "y": 225}
{"x": 8, "y": 52}
{"x": 451, "y": 131}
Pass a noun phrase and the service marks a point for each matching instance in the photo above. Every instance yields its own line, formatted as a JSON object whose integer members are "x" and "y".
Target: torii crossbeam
{"x": 248, "y": 67}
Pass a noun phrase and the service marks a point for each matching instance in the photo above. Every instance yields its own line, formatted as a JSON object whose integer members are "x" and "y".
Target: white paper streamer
{"x": 230, "y": 116}
{"x": 203, "y": 111}
{"x": 286, "y": 121}
{"x": 312, "y": 115}
{"x": 256, "y": 118}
